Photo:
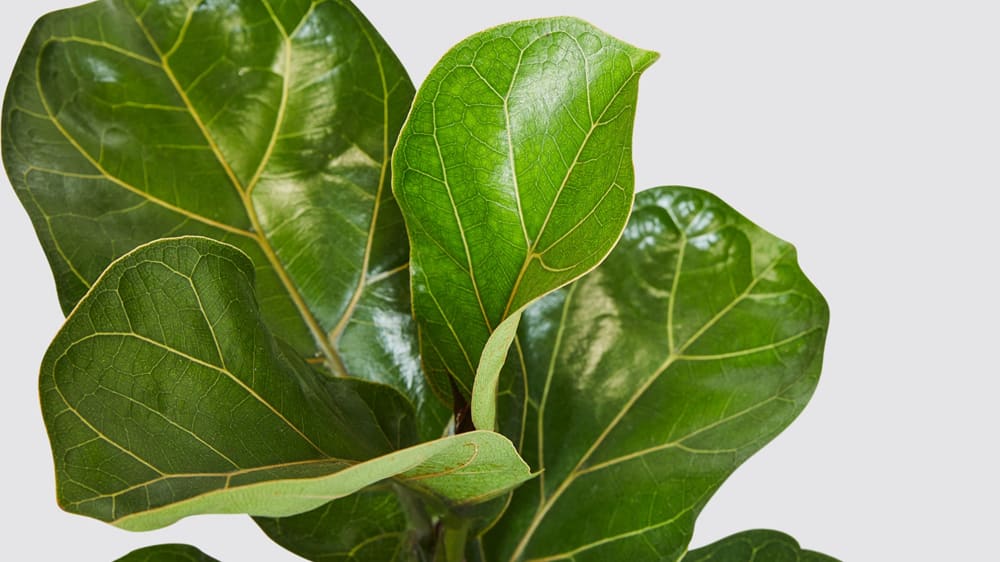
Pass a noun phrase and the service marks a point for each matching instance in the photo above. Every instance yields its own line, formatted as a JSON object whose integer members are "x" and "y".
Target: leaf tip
{"x": 645, "y": 58}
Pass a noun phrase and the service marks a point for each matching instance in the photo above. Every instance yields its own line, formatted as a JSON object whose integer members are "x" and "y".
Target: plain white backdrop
{"x": 865, "y": 132}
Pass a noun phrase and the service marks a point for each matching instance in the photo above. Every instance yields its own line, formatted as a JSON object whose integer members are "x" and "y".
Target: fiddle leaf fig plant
{"x": 433, "y": 325}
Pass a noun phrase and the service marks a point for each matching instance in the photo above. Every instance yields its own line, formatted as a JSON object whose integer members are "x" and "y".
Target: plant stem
{"x": 451, "y": 540}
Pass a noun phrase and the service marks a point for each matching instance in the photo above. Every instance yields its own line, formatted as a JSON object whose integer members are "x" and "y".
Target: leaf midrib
{"x": 341, "y": 325}
{"x": 319, "y": 335}
{"x": 51, "y": 117}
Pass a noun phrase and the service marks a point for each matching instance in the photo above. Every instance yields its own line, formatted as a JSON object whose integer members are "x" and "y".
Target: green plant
{"x": 238, "y": 247}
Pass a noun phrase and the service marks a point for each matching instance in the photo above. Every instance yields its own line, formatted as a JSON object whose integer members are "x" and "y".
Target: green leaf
{"x": 491, "y": 365}
{"x": 756, "y": 546}
{"x": 165, "y": 395}
{"x": 369, "y": 525}
{"x": 167, "y": 553}
{"x": 514, "y": 173}
{"x": 380, "y": 344}
{"x": 265, "y": 124}
{"x": 654, "y": 377}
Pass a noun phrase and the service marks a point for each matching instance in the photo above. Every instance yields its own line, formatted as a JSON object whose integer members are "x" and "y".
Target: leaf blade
{"x": 660, "y": 372}
{"x": 490, "y": 231}
{"x": 126, "y": 122}
{"x": 147, "y": 389}
{"x": 129, "y": 121}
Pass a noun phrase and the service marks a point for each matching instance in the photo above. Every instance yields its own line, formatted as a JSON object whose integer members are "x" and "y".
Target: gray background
{"x": 865, "y": 132}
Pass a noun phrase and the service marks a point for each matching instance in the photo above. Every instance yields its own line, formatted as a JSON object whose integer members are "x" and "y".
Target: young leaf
{"x": 654, "y": 377}
{"x": 268, "y": 125}
{"x": 167, "y": 553}
{"x": 756, "y": 546}
{"x": 369, "y": 525}
{"x": 514, "y": 173}
{"x": 165, "y": 395}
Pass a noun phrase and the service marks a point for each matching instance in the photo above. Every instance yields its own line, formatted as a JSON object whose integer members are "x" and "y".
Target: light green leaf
{"x": 491, "y": 364}
{"x": 459, "y": 470}
{"x": 370, "y": 525}
{"x": 165, "y": 396}
{"x": 167, "y": 553}
{"x": 654, "y": 377}
{"x": 756, "y": 546}
{"x": 514, "y": 173}
{"x": 265, "y": 124}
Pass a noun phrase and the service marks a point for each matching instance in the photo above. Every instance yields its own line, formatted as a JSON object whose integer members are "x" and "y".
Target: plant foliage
{"x": 475, "y": 342}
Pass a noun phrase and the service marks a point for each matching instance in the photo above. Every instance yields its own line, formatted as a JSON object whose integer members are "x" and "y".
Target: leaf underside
{"x": 267, "y": 125}
{"x": 514, "y": 173}
{"x": 165, "y": 395}
{"x": 653, "y": 378}
{"x": 756, "y": 546}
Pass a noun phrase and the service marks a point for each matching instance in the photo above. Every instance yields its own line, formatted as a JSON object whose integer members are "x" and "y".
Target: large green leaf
{"x": 654, "y": 377}
{"x": 165, "y": 395}
{"x": 369, "y": 525}
{"x": 167, "y": 553}
{"x": 756, "y": 546}
{"x": 514, "y": 173}
{"x": 380, "y": 344}
{"x": 266, "y": 124}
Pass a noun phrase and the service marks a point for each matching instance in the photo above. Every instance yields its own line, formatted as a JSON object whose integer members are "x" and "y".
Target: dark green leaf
{"x": 165, "y": 395}
{"x": 268, "y": 125}
{"x": 756, "y": 546}
{"x": 514, "y": 173}
{"x": 380, "y": 344}
{"x": 369, "y": 525}
{"x": 167, "y": 553}
{"x": 654, "y": 377}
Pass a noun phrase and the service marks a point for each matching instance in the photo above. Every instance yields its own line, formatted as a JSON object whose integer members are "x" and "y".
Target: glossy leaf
{"x": 514, "y": 173}
{"x": 165, "y": 395}
{"x": 167, "y": 553}
{"x": 654, "y": 377}
{"x": 369, "y": 525}
{"x": 380, "y": 344}
{"x": 756, "y": 546}
{"x": 268, "y": 125}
